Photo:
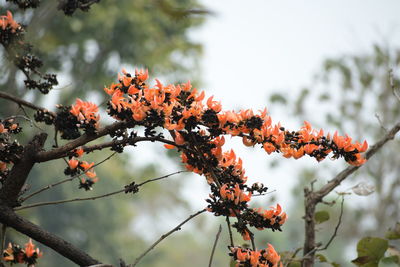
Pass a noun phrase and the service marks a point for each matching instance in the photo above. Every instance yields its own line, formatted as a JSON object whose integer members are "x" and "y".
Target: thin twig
{"x": 177, "y": 228}
{"x": 215, "y": 245}
{"x": 312, "y": 198}
{"x": 336, "y": 228}
{"x": 252, "y": 240}
{"x": 380, "y": 122}
{"x": 391, "y": 81}
{"x": 3, "y": 237}
{"x": 264, "y": 194}
{"x": 101, "y": 265}
{"x": 65, "y": 180}
{"x": 92, "y": 198}
{"x": 22, "y": 102}
{"x": 228, "y": 222}
{"x": 293, "y": 256}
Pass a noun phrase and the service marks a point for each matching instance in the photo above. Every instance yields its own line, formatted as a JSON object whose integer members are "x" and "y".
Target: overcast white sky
{"x": 255, "y": 47}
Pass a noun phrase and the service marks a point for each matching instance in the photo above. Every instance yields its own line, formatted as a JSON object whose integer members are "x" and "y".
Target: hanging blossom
{"x": 28, "y": 255}
{"x": 255, "y": 258}
{"x": 7, "y": 22}
{"x": 76, "y": 167}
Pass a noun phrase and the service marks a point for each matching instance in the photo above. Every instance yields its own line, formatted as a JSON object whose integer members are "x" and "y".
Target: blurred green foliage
{"x": 87, "y": 51}
{"x": 357, "y": 95}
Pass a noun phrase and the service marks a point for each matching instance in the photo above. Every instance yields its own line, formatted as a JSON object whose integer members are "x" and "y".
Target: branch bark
{"x": 60, "y": 152}
{"x": 11, "y": 219}
{"x": 20, "y": 171}
{"x": 313, "y": 198}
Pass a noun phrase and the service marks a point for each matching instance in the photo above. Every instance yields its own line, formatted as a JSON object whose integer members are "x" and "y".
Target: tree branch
{"x": 312, "y": 198}
{"x": 22, "y": 102}
{"x": 60, "y": 152}
{"x": 177, "y": 228}
{"x": 332, "y": 184}
{"x": 63, "y": 181}
{"x": 132, "y": 186}
{"x": 20, "y": 171}
{"x": 215, "y": 245}
{"x": 11, "y": 219}
{"x": 336, "y": 228}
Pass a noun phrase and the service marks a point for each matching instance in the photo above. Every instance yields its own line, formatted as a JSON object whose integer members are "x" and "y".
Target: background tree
{"x": 85, "y": 51}
{"x": 222, "y": 171}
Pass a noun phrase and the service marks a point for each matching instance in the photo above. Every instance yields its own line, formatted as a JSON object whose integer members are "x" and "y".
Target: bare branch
{"x": 215, "y": 245}
{"x": 22, "y": 102}
{"x": 312, "y": 198}
{"x": 60, "y": 152}
{"x": 20, "y": 171}
{"x": 336, "y": 228}
{"x": 228, "y": 222}
{"x": 391, "y": 81}
{"x": 332, "y": 184}
{"x": 94, "y": 197}
{"x": 63, "y": 181}
{"x": 125, "y": 141}
{"x": 11, "y": 219}
{"x": 177, "y": 228}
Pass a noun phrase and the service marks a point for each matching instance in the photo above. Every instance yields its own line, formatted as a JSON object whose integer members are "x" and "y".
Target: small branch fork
{"x": 177, "y": 228}
{"x": 313, "y": 198}
{"x": 47, "y": 187}
{"x": 125, "y": 189}
{"x": 215, "y": 245}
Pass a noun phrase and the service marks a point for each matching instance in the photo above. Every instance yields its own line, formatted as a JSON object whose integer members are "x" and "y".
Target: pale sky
{"x": 255, "y": 47}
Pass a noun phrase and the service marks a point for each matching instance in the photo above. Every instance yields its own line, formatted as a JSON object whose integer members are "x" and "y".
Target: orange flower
{"x": 86, "y": 166}
{"x": 8, "y": 21}
{"x": 179, "y": 140}
{"x": 241, "y": 256}
{"x": 73, "y": 163}
{"x": 272, "y": 255}
{"x": 85, "y": 111}
{"x": 246, "y": 235}
{"x": 91, "y": 174}
{"x": 168, "y": 146}
{"x": 8, "y": 254}
{"x": 142, "y": 75}
{"x": 214, "y": 105}
{"x": 269, "y": 148}
{"x": 247, "y": 141}
{"x": 79, "y": 151}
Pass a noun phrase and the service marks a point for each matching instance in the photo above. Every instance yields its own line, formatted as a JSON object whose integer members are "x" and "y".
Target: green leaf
{"x": 392, "y": 261}
{"x": 334, "y": 264}
{"x": 232, "y": 263}
{"x": 393, "y": 234}
{"x": 361, "y": 260}
{"x": 321, "y": 216}
{"x": 321, "y": 258}
{"x": 277, "y": 98}
{"x": 295, "y": 264}
{"x": 370, "y": 250}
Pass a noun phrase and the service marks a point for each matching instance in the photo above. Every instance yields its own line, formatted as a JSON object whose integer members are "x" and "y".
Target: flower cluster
{"x": 246, "y": 257}
{"x": 27, "y": 255}
{"x": 198, "y": 128}
{"x": 70, "y": 119}
{"x": 12, "y": 38}
{"x": 7, "y": 23}
{"x": 76, "y": 167}
{"x": 181, "y": 108}
{"x": 11, "y": 150}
